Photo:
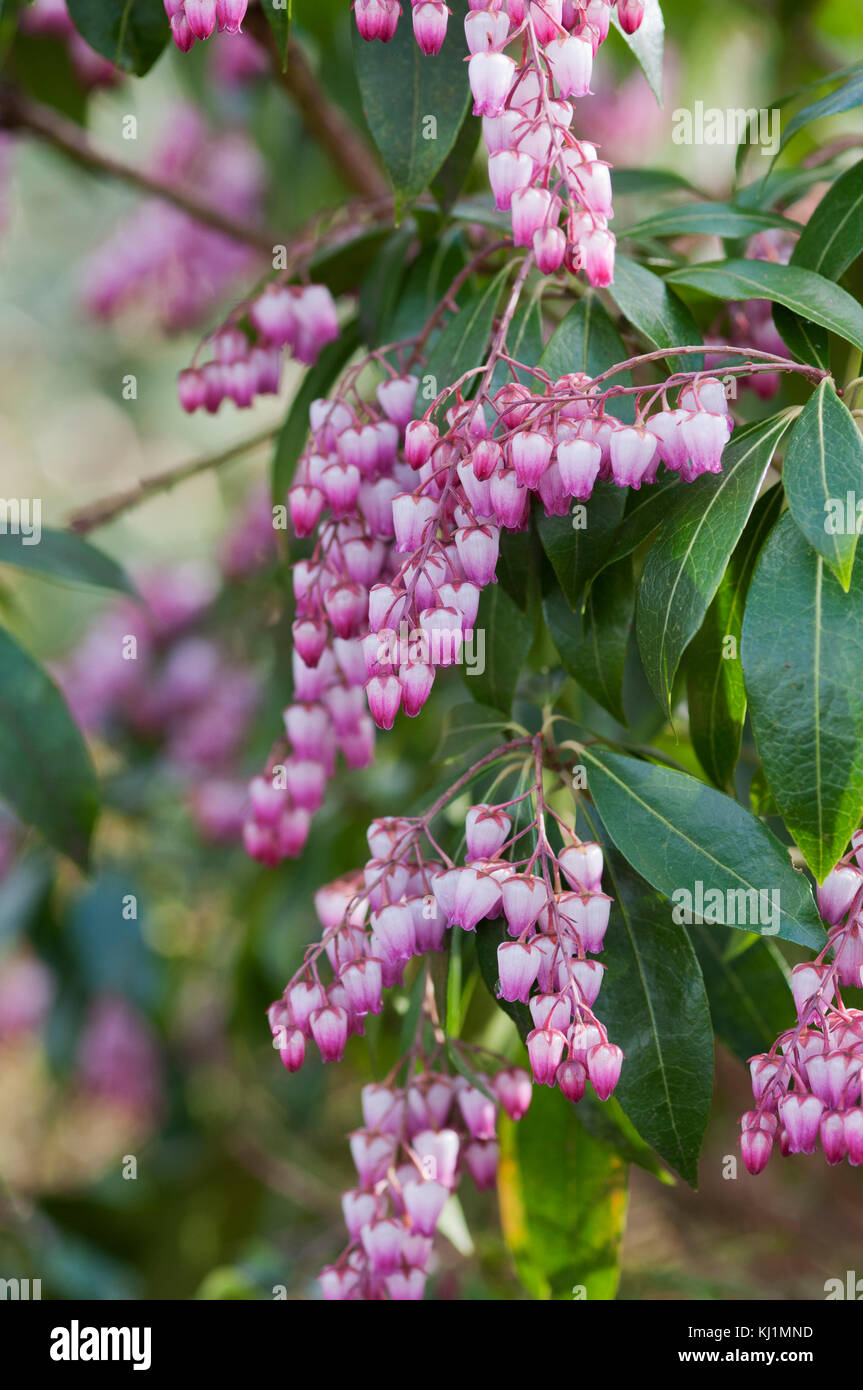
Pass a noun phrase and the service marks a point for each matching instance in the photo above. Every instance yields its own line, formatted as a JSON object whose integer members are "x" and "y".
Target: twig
{"x": 18, "y": 112}
{"x": 100, "y": 513}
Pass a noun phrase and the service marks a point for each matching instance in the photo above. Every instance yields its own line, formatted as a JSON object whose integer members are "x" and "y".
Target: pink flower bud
{"x": 478, "y": 548}
{"x": 509, "y": 498}
{"x": 572, "y": 1080}
{"x": 603, "y": 1067}
{"x": 630, "y": 13}
{"x": 633, "y": 450}
{"x": 486, "y": 829}
{"x": 339, "y": 1284}
{"x": 582, "y": 866}
{"x": 801, "y": 1117}
{"x": 481, "y": 1160}
{"x": 230, "y": 15}
{"x": 424, "y": 1202}
{"x": 531, "y": 209}
{"x": 359, "y": 1209}
{"x": 182, "y": 32}
{"x": 416, "y": 682}
{"x": 530, "y": 453}
{"x": 508, "y": 171}
{"x": 191, "y": 389}
{"x": 838, "y": 891}
{"x": 438, "y": 1153}
{"x": 549, "y": 248}
{"x": 430, "y": 21}
{"x": 384, "y": 695}
{"x": 382, "y": 1242}
{"x": 363, "y": 984}
{"x": 490, "y": 75}
{"x": 485, "y": 29}
{"x": 852, "y": 1121}
{"x": 551, "y": 1010}
{"x": 377, "y": 19}
{"x": 545, "y": 1049}
{"x": 480, "y": 1113}
{"x": 524, "y": 897}
{"x": 201, "y": 17}
{"x": 420, "y": 438}
{"x": 411, "y": 516}
{"x": 597, "y": 250}
{"x": 705, "y": 436}
{"x": 372, "y": 1154}
{"x": 579, "y": 462}
{"x": 329, "y": 1027}
{"x": 293, "y": 1049}
{"x": 756, "y": 1146}
{"x": 517, "y": 965}
{"x": 346, "y": 605}
{"x": 571, "y": 63}
{"x": 806, "y": 982}
{"x": 307, "y": 727}
{"x": 397, "y": 395}
{"x": 667, "y": 426}
{"x": 477, "y": 895}
{"x": 305, "y": 505}
{"x": 514, "y": 1090}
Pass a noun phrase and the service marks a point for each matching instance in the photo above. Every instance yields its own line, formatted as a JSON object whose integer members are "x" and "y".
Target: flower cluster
{"x": 199, "y": 19}
{"x": 398, "y": 909}
{"x": 538, "y": 169}
{"x": 163, "y": 263}
{"x": 807, "y": 1088}
{"x": 50, "y": 19}
{"x": 408, "y": 518}
{"x": 246, "y": 364}
{"x": 416, "y": 1143}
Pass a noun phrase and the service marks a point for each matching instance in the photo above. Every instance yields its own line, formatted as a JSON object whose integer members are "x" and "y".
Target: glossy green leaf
{"x": 577, "y": 545}
{"x": 807, "y": 341}
{"x": 678, "y": 833}
{"x": 688, "y": 559}
{"x": 655, "y": 1007}
{"x": 403, "y": 89}
{"x": 646, "y": 509}
{"x": 802, "y": 657}
{"x": 806, "y": 293}
{"x": 654, "y": 309}
{"x": 562, "y": 1202}
{"x": 833, "y": 237}
{"x": 592, "y": 642}
{"x": 278, "y": 14}
{"x": 823, "y": 467}
{"x": 647, "y": 43}
{"x": 707, "y": 219}
{"x": 586, "y": 340}
{"x": 503, "y": 636}
{"x": 46, "y": 775}
{"x": 845, "y": 97}
{"x": 130, "y": 33}
{"x": 464, "y": 340}
{"x": 716, "y": 696}
{"x": 67, "y": 557}
{"x": 749, "y": 993}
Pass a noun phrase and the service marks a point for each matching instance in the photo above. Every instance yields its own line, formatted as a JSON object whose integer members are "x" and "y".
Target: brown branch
{"x": 347, "y": 150}
{"x": 18, "y": 112}
{"x": 100, "y": 513}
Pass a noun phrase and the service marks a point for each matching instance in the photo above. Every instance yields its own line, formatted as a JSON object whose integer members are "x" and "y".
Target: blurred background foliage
{"x": 151, "y": 1146}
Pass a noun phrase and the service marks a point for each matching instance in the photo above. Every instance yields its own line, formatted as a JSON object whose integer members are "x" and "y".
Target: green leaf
{"x": 592, "y": 643}
{"x": 679, "y": 833}
{"x": 805, "y": 340}
{"x": 316, "y": 382}
{"x": 577, "y": 545}
{"x": 463, "y": 342}
{"x": 647, "y": 43}
{"x": 586, "y": 340}
{"x": 278, "y": 14}
{"x": 45, "y": 771}
{"x": 655, "y": 311}
{"x": 130, "y": 33}
{"x": 714, "y": 675}
{"x": 823, "y": 465}
{"x": 379, "y": 291}
{"x": 707, "y": 219}
{"x": 802, "y": 657}
{"x": 67, "y": 557}
{"x": 748, "y": 990}
{"x": 633, "y": 182}
{"x": 646, "y": 509}
{"x": 503, "y": 636}
{"x": 804, "y": 292}
{"x": 833, "y": 237}
{"x": 843, "y": 98}
{"x": 655, "y": 1007}
{"x": 562, "y": 1202}
{"x": 687, "y": 561}
{"x": 401, "y": 88}
{"x": 450, "y": 179}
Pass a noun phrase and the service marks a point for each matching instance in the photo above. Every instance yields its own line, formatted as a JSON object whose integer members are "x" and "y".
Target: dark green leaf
{"x": 450, "y": 178}
{"x": 687, "y": 561}
{"x": 278, "y": 13}
{"x": 402, "y": 91}
{"x": 502, "y": 640}
{"x": 562, "y": 1202}
{"x": 833, "y": 236}
{"x": 463, "y": 342}
{"x": 130, "y": 33}
{"x": 802, "y": 657}
{"x": 807, "y": 341}
{"x": 592, "y": 643}
{"x": 577, "y": 545}
{"x": 586, "y": 340}
{"x": 67, "y": 557}
{"x": 379, "y": 291}
{"x": 679, "y": 833}
{"x": 714, "y": 675}
{"x": 45, "y": 771}
{"x": 646, "y": 509}
{"x": 823, "y": 467}
{"x": 316, "y": 382}
{"x": 807, "y": 294}
{"x": 707, "y": 219}
{"x": 748, "y": 990}
{"x": 844, "y": 98}
{"x": 655, "y": 311}
{"x": 655, "y": 1007}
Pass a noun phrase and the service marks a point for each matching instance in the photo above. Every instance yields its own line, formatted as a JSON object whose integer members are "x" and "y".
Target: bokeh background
{"x": 151, "y": 1146}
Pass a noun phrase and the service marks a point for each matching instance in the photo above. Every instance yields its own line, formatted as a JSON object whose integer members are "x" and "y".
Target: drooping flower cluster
{"x": 192, "y": 20}
{"x": 538, "y": 169}
{"x": 246, "y": 364}
{"x": 50, "y": 19}
{"x": 807, "y": 1088}
{"x": 393, "y": 588}
{"x": 416, "y": 1143}
{"x": 399, "y": 908}
{"x": 163, "y": 263}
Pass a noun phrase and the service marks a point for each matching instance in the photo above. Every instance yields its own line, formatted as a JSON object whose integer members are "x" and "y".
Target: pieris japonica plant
{"x": 567, "y": 483}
